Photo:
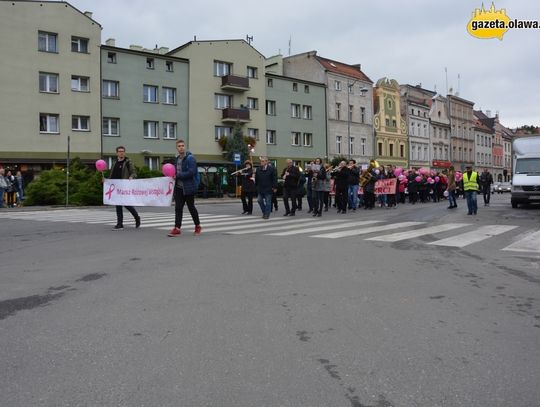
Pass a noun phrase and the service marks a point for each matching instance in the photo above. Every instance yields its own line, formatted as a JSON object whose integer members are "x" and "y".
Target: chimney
{"x": 111, "y": 42}
{"x": 357, "y": 66}
{"x": 136, "y": 47}
{"x": 88, "y": 14}
{"x": 488, "y": 113}
{"x": 163, "y": 50}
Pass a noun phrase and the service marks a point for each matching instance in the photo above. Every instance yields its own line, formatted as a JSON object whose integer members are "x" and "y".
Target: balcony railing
{"x": 231, "y": 114}
{"x": 232, "y": 82}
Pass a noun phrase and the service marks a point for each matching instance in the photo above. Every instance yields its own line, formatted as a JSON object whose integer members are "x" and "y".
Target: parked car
{"x": 494, "y": 187}
{"x": 503, "y": 187}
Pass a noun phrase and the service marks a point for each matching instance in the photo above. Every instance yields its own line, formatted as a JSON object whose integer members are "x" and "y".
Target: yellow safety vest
{"x": 470, "y": 184}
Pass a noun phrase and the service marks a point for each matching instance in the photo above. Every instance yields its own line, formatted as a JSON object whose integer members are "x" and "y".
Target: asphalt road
{"x": 92, "y": 317}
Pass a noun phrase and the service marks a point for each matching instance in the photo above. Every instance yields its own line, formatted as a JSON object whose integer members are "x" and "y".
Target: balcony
{"x": 231, "y": 114}
{"x": 234, "y": 83}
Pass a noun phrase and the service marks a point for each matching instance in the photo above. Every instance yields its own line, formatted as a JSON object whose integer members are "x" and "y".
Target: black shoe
{"x": 118, "y": 227}
{"x": 137, "y": 221}
{"x": 311, "y": 210}
{"x": 243, "y": 213}
{"x": 286, "y": 214}
{"x": 326, "y": 209}
{"x": 248, "y": 213}
{"x": 314, "y": 214}
{"x": 291, "y": 214}
{"x": 319, "y": 214}
{"x": 266, "y": 216}
{"x": 450, "y": 207}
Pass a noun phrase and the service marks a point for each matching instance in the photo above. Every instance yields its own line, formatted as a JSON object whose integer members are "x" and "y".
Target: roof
{"x": 61, "y": 3}
{"x": 289, "y": 78}
{"x": 343, "y": 69}
{"x": 145, "y": 53}
{"x": 461, "y": 99}
{"x": 187, "y": 44}
{"x": 481, "y": 126}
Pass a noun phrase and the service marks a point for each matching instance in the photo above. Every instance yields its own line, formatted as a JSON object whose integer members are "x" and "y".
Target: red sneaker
{"x": 197, "y": 230}
{"x": 174, "y": 232}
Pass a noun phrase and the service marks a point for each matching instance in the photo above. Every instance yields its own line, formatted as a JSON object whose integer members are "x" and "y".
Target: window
{"x": 350, "y": 88}
{"x": 391, "y": 149}
{"x": 338, "y": 144}
{"x": 363, "y": 145}
{"x": 295, "y": 138}
{"x": 149, "y": 63}
{"x": 379, "y": 145}
{"x": 221, "y": 132}
{"x": 251, "y": 72}
{"x": 337, "y": 85}
{"x": 110, "y": 89}
{"x": 308, "y": 140}
{"x": 253, "y": 103}
{"x": 307, "y": 112}
{"x": 362, "y": 115}
{"x": 351, "y": 107}
{"x": 351, "y": 145}
{"x": 80, "y": 83}
{"x": 48, "y": 82}
{"x": 401, "y": 150}
{"x": 271, "y": 107}
{"x": 150, "y": 129}
{"x": 253, "y": 133}
{"x": 110, "y": 126}
{"x": 169, "y": 66}
{"x": 306, "y": 89}
{"x": 425, "y": 153}
{"x": 222, "y": 68}
{"x": 169, "y": 130}
{"x": 387, "y": 122}
{"x": 394, "y": 124}
{"x": 111, "y": 57}
{"x": 270, "y": 137}
{"x": 295, "y": 87}
{"x": 47, "y": 42}
{"x": 150, "y": 94}
{"x": 168, "y": 96}
{"x": 270, "y": 83}
{"x": 338, "y": 111}
{"x": 48, "y": 123}
{"x": 151, "y": 162}
{"x": 79, "y": 45}
{"x": 295, "y": 111}
{"x": 222, "y": 101}
{"x": 80, "y": 123}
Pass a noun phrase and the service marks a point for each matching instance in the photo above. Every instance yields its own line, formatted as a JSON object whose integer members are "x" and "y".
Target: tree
{"x": 236, "y": 144}
{"x": 337, "y": 159}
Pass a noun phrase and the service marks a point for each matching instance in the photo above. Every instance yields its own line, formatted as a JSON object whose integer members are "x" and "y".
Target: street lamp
{"x": 349, "y": 113}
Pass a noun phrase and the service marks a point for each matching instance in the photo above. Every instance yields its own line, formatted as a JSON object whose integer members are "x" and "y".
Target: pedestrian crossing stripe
{"x": 321, "y": 228}
{"x": 278, "y": 226}
{"x": 474, "y": 236}
{"x": 396, "y": 237}
{"x": 357, "y": 232}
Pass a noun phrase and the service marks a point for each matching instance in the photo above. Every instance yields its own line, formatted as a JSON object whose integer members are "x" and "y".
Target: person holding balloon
{"x": 122, "y": 168}
{"x": 451, "y": 188}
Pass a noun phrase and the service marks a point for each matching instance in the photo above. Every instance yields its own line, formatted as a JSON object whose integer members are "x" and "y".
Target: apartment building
{"x": 415, "y": 109}
{"x": 295, "y": 120}
{"x": 483, "y": 143}
{"x": 145, "y": 96}
{"x": 226, "y": 88}
{"x": 349, "y": 102}
{"x": 390, "y": 127}
{"x": 52, "y": 89}
{"x": 440, "y": 133}
{"x": 462, "y": 133}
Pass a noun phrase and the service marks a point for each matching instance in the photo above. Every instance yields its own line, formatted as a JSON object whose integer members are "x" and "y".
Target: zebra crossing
{"x": 463, "y": 234}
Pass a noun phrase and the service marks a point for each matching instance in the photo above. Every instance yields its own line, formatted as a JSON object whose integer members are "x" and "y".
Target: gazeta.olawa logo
{"x": 495, "y": 23}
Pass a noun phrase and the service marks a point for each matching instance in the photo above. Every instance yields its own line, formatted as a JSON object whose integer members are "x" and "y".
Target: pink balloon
{"x": 101, "y": 165}
{"x": 418, "y": 178}
{"x": 401, "y": 177}
{"x": 445, "y": 193}
{"x": 437, "y": 179}
{"x": 430, "y": 180}
{"x": 168, "y": 170}
{"x": 459, "y": 176}
{"x": 398, "y": 171}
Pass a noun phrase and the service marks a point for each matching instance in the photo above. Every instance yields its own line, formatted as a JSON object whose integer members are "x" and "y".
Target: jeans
{"x": 289, "y": 193}
{"x": 471, "y": 201}
{"x": 120, "y": 214}
{"x": 2, "y": 190}
{"x": 180, "y": 200}
{"x": 265, "y": 202}
{"x": 353, "y": 196}
{"x": 486, "y": 190}
{"x": 452, "y": 198}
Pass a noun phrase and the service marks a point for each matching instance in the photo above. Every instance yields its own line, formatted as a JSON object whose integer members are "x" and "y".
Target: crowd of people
{"x": 348, "y": 187}
{"x": 11, "y": 189}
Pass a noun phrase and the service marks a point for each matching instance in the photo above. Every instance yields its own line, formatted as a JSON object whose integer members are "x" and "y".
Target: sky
{"x": 411, "y": 41}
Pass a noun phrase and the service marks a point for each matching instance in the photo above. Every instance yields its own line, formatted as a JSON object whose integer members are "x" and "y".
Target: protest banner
{"x": 385, "y": 186}
{"x": 138, "y": 192}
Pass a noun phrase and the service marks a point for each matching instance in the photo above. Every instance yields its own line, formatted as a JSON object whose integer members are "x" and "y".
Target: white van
{"x": 526, "y": 171}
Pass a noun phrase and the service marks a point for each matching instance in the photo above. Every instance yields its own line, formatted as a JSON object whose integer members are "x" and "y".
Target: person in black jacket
{"x": 266, "y": 184}
{"x": 341, "y": 178}
{"x": 248, "y": 188}
{"x": 486, "y": 179}
{"x": 291, "y": 176}
{"x": 354, "y": 178}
